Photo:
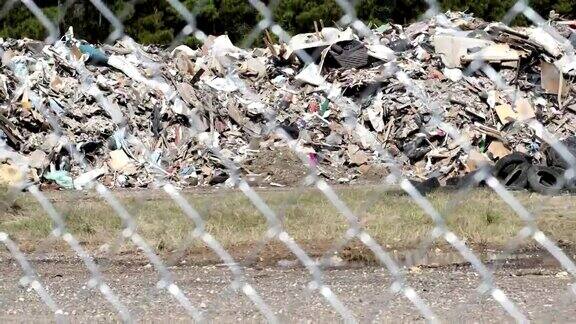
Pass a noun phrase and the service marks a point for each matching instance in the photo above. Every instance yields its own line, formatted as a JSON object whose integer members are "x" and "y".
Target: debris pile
{"x": 135, "y": 113}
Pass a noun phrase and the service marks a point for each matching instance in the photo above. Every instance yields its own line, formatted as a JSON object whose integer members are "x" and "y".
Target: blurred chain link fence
{"x": 276, "y": 232}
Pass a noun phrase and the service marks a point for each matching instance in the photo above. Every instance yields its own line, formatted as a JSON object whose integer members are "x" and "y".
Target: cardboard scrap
{"x": 500, "y": 53}
{"x": 498, "y": 150}
{"x": 552, "y": 80}
{"x": 505, "y": 113}
{"x": 356, "y": 155}
{"x": 475, "y": 160}
{"x": 523, "y": 111}
{"x": 118, "y": 160}
{"x": 10, "y": 175}
{"x": 453, "y": 48}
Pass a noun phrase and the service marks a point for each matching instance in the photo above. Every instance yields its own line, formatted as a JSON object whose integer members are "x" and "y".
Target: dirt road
{"x": 542, "y": 291}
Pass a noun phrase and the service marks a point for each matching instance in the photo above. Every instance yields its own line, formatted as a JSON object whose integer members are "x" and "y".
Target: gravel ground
{"x": 542, "y": 292}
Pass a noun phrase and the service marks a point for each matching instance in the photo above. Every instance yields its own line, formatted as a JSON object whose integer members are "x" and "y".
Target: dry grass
{"x": 392, "y": 218}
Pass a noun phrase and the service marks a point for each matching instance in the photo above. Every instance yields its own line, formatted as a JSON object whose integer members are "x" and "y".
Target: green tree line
{"x": 155, "y": 21}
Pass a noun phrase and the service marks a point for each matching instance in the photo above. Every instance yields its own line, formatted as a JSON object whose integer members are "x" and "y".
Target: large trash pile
{"x": 136, "y": 113}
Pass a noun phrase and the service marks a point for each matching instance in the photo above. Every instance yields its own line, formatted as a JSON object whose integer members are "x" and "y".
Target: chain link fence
{"x": 240, "y": 281}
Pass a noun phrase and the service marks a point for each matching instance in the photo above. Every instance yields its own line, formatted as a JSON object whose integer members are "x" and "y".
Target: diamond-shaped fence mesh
{"x": 449, "y": 100}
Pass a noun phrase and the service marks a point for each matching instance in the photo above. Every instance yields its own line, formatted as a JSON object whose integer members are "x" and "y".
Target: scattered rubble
{"x": 136, "y": 113}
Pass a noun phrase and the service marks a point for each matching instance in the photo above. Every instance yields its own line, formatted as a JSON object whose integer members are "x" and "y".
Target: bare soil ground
{"x": 531, "y": 277}
{"x": 540, "y": 289}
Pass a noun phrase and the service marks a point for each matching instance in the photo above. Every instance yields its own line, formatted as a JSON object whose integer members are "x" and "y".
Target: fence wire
{"x": 355, "y": 219}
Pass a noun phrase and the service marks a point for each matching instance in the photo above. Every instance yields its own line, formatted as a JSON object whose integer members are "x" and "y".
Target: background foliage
{"x": 155, "y": 21}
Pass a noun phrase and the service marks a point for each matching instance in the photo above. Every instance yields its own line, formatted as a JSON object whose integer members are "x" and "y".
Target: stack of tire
{"x": 517, "y": 171}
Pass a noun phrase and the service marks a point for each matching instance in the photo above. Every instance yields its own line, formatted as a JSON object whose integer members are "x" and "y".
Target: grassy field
{"x": 393, "y": 218}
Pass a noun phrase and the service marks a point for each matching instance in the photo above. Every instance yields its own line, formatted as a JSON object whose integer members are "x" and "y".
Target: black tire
{"x": 453, "y": 182}
{"x": 219, "y": 178}
{"x": 468, "y": 180}
{"x": 546, "y": 180}
{"x": 512, "y": 170}
{"x": 426, "y": 186}
{"x": 554, "y": 159}
{"x": 570, "y": 184}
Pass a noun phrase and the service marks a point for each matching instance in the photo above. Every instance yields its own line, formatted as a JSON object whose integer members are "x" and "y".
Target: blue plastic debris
{"x": 61, "y": 177}
{"x": 95, "y": 56}
{"x": 20, "y": 70}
